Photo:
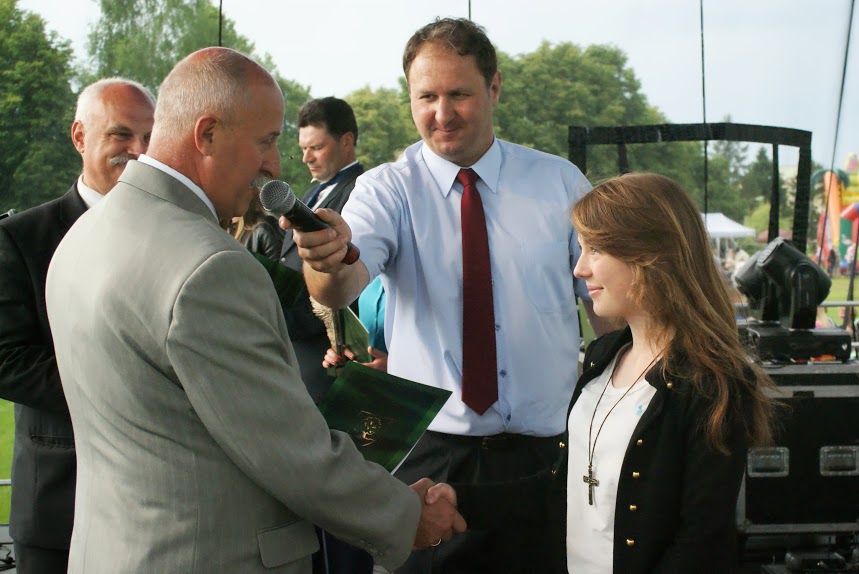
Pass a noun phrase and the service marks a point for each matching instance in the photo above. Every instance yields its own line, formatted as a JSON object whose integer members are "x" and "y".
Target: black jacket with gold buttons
{"x": 676, "y": 496}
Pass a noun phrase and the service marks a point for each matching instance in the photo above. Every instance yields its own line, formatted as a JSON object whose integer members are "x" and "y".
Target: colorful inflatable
{"x": 841, "y": 187}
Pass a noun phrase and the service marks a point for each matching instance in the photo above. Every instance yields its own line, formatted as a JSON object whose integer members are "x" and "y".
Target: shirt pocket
{"x": 545, "y": 266}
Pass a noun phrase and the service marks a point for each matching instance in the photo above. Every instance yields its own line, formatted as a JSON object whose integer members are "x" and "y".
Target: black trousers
{"x": 507, "y": 549}
{"x": 338, "y": 557}
{"x": 35, "y": 560}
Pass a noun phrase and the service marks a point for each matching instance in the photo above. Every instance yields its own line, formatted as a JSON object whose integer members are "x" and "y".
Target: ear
{"x": 348, "y": 140}
{"x": 78, "y": 136}
{"x": 205, "y": 129}
{"x": 495, "y": 88}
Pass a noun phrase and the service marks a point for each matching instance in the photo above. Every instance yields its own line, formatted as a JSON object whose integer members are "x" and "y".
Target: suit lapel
{"x": 164, "y": 186}
{"x": 72, "y": 206}
{"x": 348, "y": 178}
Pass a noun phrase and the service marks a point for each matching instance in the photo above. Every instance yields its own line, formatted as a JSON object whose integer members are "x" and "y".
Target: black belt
{"x": 501, "y": 441}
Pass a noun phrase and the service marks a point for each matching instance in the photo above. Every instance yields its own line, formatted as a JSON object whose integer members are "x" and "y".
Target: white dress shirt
{"x": 88, "y": 194}
{"x": 327, "y": 191}
{"x": 405, "y": 218}
{"x": 198, "y": 191}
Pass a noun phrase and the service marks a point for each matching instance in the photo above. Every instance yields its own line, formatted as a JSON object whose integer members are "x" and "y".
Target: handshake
{"x": 439, "y": 517}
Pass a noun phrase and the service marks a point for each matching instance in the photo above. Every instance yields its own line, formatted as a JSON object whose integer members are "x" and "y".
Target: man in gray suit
{"x": 199, "y": 449}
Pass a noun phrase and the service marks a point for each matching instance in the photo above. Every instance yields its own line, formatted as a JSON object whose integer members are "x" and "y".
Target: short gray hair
{"x": 212, "y": 83}
{"x": 91, "y": 94}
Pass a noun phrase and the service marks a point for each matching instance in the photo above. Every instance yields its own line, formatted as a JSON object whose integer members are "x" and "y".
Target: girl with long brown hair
{"x": 667, "y": 406}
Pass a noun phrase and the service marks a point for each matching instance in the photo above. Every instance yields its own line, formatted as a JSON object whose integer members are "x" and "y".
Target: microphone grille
{"x": 276, "y": 196}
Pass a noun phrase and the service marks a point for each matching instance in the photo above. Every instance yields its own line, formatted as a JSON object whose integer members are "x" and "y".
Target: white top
{"x": 405, "y": 218}
{"x": 88, "y": 194}
{"x": 590, "y": 529}
{"x": 327, "y": 191}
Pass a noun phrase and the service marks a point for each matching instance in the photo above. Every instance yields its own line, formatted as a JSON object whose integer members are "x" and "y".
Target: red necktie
{"x": 479, "y": 379}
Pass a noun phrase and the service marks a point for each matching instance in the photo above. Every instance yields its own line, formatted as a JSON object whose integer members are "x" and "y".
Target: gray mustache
{"x": 120, "y": 160}
{"x": 260, "y": 180}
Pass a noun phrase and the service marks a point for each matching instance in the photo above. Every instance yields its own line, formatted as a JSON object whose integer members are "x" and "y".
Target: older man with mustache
{"x": 113, "y": 121}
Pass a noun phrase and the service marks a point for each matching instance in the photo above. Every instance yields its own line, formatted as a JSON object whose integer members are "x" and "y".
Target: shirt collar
{"x": 444, "y": 172}
{"x": 198, "y": 191}
{"x": 314, "y": 180}
{"x": 88, "y": 194}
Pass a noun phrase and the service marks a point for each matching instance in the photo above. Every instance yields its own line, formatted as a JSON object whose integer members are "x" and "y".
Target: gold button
{"x": 635, "y": 474}
{"x": 630, "y": 542}
{"x": 632, "y": 508}
{"x": 592, "y": 363}
{"x": 669, "y": 385}
{"x": 639, "y": 442}
{"x": 562, "y": 445}
{"x": 554, "y": 471}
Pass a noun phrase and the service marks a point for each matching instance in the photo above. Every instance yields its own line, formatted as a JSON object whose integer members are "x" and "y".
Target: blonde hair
{"x": 650, "y": 222}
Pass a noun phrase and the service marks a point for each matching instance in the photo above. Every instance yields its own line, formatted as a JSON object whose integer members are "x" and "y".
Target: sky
{"x": 767, "y": 62}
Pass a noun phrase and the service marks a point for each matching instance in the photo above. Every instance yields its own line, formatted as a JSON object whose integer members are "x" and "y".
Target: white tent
{"x": 721, "y": 227}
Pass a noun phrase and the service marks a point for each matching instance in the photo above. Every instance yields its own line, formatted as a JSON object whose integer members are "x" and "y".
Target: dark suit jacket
{"x": 43, "y": 467}
{"x": 306, "y": 330}
{"x": 678, "y": 510}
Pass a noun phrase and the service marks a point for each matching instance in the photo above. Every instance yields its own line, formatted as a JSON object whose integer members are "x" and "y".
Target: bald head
{"x": 209, "y": 81}
{"x": 217, "y": 122}
{"x": 113, "y": 122}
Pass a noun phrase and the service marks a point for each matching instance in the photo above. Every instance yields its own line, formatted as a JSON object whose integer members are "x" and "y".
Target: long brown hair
{"x": 650, "y": 222}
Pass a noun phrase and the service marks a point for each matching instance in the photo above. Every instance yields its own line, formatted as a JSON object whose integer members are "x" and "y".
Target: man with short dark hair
{"x": 113, "y": 122}
{"x": 327, "y": 135}
{"x": 472, "y": 238}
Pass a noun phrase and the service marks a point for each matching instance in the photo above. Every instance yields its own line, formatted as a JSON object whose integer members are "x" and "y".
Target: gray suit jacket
{"x": 199, "y": 449}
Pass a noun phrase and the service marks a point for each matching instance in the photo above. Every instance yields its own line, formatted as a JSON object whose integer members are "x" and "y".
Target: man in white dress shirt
{"x": 408, "y": 219}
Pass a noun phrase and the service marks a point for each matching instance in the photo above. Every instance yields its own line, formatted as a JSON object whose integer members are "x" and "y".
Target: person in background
{"x": 113, "y": 122}
{"x": 327, "y": 136}
{"x": 258, "y": 231}
{"x": 665, "y": 411}
{"x": 471, "y": 238}
{"x": 371, "y": 312}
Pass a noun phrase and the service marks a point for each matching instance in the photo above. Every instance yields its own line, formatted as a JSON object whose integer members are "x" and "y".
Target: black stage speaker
{"x": 809, "y": 481}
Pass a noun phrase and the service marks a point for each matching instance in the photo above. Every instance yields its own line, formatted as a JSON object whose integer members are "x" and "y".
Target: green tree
{"x": 143, "y": 40}
{"x": 722, "y": 195}
{"x": 385, "y": 125}
{"x": 756, "y": 182}
{"x": 556, "y": 86}
{"x": 36, "y": 103}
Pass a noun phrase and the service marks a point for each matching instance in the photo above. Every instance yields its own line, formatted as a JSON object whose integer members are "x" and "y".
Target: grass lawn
{"x": 7, "y": 433}
{"x": 838, "y": 292}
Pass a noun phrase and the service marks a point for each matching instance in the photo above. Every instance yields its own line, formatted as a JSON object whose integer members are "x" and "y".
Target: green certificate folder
{"x": 385, "y": 415}
{"x": 355, "y": 336}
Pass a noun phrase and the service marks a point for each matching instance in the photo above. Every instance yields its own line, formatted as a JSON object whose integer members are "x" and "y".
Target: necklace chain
{"x": 589, "y": 477}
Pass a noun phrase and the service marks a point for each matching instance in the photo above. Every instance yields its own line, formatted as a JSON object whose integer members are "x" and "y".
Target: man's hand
{"x": 379, "y": 362}
{"x": 441, "y": 491}
{"x": 325, "y": 249}
{"x": 438, "y": 520}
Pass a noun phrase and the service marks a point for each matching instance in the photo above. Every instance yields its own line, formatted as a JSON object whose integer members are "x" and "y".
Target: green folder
{"x": 355, "y": 336}
{"x": 385, "y": 415}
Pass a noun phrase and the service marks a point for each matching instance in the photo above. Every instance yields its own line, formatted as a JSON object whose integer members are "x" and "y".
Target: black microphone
{"x": 276, "y": 196}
